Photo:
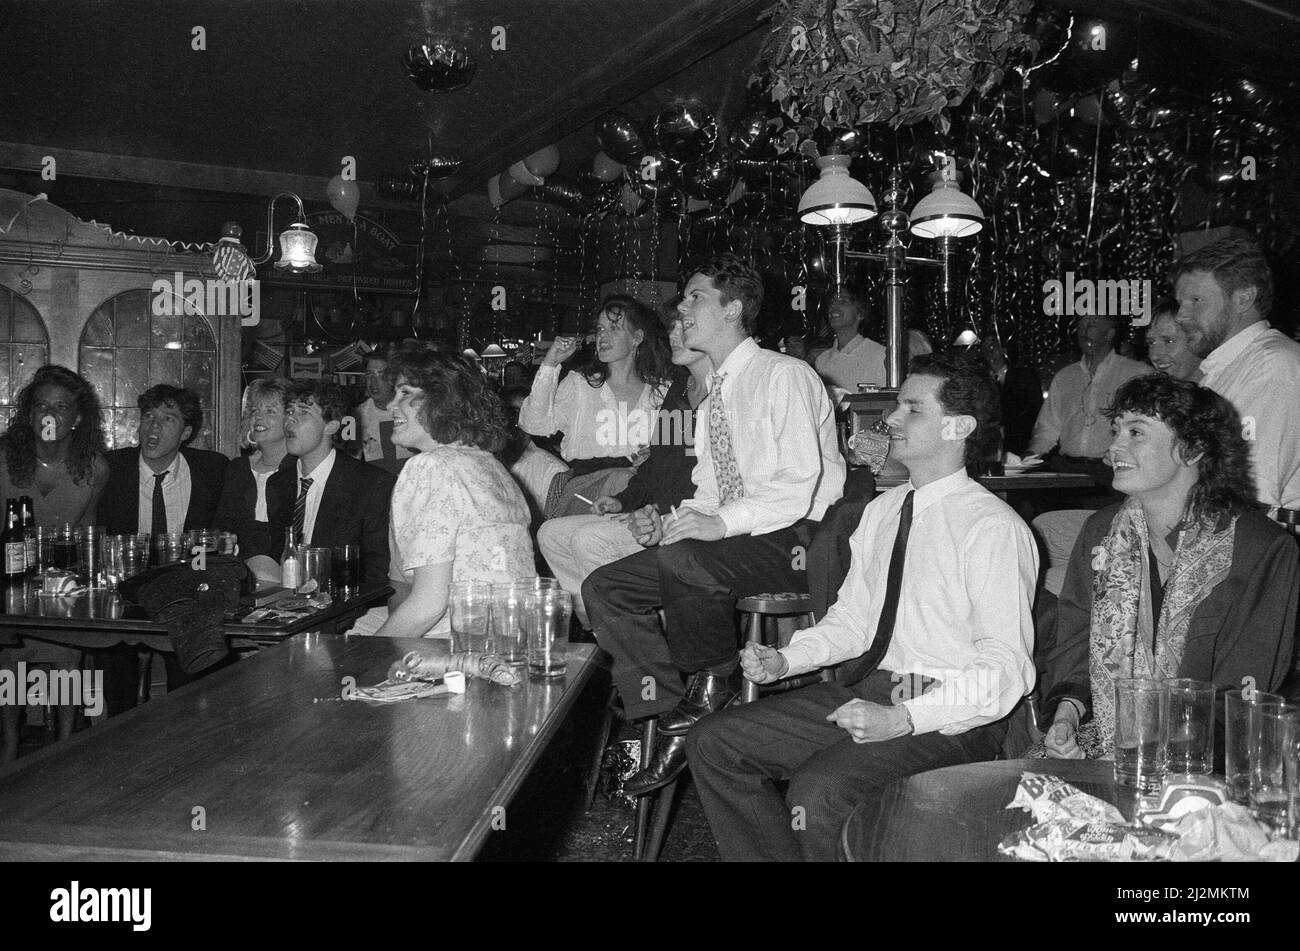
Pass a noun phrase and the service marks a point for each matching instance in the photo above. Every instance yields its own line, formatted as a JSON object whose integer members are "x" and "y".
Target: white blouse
{"x": 595, "y": 423}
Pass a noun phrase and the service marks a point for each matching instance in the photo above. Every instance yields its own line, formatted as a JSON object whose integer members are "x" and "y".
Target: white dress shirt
{"x": 595, "y": 423}
{"x": 783, "y": 436}
{"x": 859, "y": 361}
{"x": 176, "y": 496}
{"x": 1074, "y": 412}
{"x": 319, "y": 476}
{"x": 369, "y": 416}
{"x": 1258, "y": 372}
{"x": 964, "y": 611}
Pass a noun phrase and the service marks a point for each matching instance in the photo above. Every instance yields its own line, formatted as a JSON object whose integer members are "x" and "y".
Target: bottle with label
{"x": 290, "y": 573}
{"x": 15, "y": 549}
{"x": 28, "y": 524}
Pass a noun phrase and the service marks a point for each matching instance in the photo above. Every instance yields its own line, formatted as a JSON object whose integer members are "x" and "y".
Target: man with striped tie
{"x": 768, "y": 466}
{"x": 933, "y": 629}
{"x": 328, "y": 498}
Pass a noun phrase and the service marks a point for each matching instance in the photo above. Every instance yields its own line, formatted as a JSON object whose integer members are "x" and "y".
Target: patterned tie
{"x": 725, "y": 470}
{"x": 854, "y": 671}
{"x": 300, "y": 511}
{"x": 159, "y": 506}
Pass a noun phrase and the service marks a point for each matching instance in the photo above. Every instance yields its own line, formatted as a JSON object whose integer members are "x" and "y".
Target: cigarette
{"x": 583, "y": 498}
{"x": 674, "y": 508}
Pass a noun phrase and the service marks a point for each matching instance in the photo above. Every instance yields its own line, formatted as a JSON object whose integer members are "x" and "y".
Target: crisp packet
{"x": 1178, "y": 797}
{"x": 1074, "y": 826}
{"x": 1224, "y": 833}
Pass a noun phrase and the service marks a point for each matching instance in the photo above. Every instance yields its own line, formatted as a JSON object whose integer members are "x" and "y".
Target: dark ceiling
{"x": 286, "y": 88}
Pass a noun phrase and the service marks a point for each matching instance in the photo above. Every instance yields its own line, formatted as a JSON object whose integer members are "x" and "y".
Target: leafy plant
{"x": 843, "y": 63}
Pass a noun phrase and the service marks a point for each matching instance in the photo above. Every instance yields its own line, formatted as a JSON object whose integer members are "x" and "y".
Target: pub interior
{"x": 633, "y": 431}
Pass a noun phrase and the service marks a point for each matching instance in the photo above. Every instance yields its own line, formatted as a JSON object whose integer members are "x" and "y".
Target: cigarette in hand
{"x": 583, "y": 498}
{"x": 674, "y": 508}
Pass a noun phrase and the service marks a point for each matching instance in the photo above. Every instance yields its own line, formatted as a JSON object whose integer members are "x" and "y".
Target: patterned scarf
{"x": 1121, "y": 610}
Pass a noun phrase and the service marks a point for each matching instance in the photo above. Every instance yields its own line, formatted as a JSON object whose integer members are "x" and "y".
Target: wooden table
{"x": 99, "y": 619}
{"x": 959, "y": 814}
{"x": 279, "y": 766}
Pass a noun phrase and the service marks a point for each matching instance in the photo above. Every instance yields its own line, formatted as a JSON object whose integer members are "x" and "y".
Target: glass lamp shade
{"x": 494, "y": 352}
{"x": 947, "y": 212}
{"x": 836, "y": 198}
{"x": 298, "y": 250}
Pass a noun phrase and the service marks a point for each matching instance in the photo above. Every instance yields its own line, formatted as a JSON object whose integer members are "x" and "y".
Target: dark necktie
{"x": 300, "y": 510}
{"x": 159, "y": 506}
{"x": 856, "y": 670}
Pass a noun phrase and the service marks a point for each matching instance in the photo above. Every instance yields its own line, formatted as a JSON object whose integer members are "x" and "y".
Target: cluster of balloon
{"x": 409, "y": 187}
{"x": 440, "y": 64}
{"x": 529, "y": 172}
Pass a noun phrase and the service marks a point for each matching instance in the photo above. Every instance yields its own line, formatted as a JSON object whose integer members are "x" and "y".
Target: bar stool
{"x": 766, "y": 620}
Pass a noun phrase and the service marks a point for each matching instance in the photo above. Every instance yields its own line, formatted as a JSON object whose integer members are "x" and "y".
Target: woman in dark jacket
{"x": 1185, "y": 578}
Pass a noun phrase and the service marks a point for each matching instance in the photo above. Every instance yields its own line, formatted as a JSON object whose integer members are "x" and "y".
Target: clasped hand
{"x": 762, "y": 664}
{"x": 869, "y": 722}
{"x": 649, "y": 528}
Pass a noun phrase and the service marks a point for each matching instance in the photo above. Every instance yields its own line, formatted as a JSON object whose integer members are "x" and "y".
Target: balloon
{"x": 620, "y": 137}
{"x": 562, "y": 192}
{"x": 750, "y": 134}
{"x": 543, "y": 162}
{"x": 521, "y": 175}
{"x": 630, "y": 203}
{"x": 438, "y": 165}
{"x": 685, "y": 131}
{"x": 502, "y": 188}
{"x": 672, "y": 202}
{"x": 343, "y": 195}
{"x": 440, "y": 65}
{"x": 711, "y": 180}
{"x": 397, "y": 188}
{"x": 652, "y": 175}
{"x": 605, "y": 168}
{"x": 1046, "y": 105}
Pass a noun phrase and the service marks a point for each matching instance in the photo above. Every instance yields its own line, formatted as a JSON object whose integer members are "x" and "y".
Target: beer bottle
{"x": 15, "y": 548}
{"x": 290, "y": 575}
{"x": 28, "y": 523}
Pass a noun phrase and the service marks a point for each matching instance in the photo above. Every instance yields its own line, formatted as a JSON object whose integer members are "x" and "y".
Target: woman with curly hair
{"x": 457, "y": 514}
{"x": 53, "y": 452}
{"x": 1184, "y": 578}
{"x": 606, "y": 409}
{"x": 54, "y": 448}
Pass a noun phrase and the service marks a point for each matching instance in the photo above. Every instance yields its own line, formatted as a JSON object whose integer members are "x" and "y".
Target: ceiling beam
{"x": 695, "y": 30}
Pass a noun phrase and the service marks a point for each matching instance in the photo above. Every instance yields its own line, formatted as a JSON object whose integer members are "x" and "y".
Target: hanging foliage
{"x": 843, "y": 63}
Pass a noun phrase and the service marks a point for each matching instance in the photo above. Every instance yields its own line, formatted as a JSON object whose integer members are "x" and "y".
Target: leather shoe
{"x": 705, "y": 694}
{"x": 666, "y": 765}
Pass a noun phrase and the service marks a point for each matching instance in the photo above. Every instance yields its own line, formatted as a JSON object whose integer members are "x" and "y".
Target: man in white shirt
{"x": 1073, "y": 416}
{"x": 1225, "y": 292}
{"x": 943, "y": 647}
{"x": 767, "y": 468}
{"x": 376, "y": 438}
{"x": 852, "y": 359}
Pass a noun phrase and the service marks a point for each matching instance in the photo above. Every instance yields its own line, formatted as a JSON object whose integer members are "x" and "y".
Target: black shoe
{"x": 705, "y": 694}
{"x": 666, "y": 765}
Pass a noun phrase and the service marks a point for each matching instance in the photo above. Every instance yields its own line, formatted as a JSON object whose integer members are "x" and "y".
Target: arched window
{"x": 24, "y": 347}
{"x": 126, "y": 348}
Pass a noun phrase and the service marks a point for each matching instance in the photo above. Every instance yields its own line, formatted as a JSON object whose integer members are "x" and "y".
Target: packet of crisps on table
{"x": 1074, "y": 826}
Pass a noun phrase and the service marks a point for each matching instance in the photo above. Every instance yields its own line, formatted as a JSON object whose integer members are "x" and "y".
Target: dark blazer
{"x": 1244, "y": 627}
{"x": 1022, "y": 398}
{"x": 353, "y": 511}
{"x": 238, "y": 505}
{"x": 119, "y": 506}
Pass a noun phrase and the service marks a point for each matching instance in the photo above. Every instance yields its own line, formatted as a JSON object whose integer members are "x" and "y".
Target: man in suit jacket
{"x": 344, "y": 502}
{"x": 162, "y": 476}
{"x": 160, "y": 485}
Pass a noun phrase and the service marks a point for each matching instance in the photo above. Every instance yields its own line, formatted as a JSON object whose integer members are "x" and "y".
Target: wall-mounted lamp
{"x": 297, "y": 242}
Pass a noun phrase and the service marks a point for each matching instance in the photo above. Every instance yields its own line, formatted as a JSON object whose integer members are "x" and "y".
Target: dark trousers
{"x": 737, "y": 756}
{"x": 697, "y": 584}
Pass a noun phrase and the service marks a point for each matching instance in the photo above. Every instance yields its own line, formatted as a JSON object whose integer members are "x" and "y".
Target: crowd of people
{"x": 697, "y": 468}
